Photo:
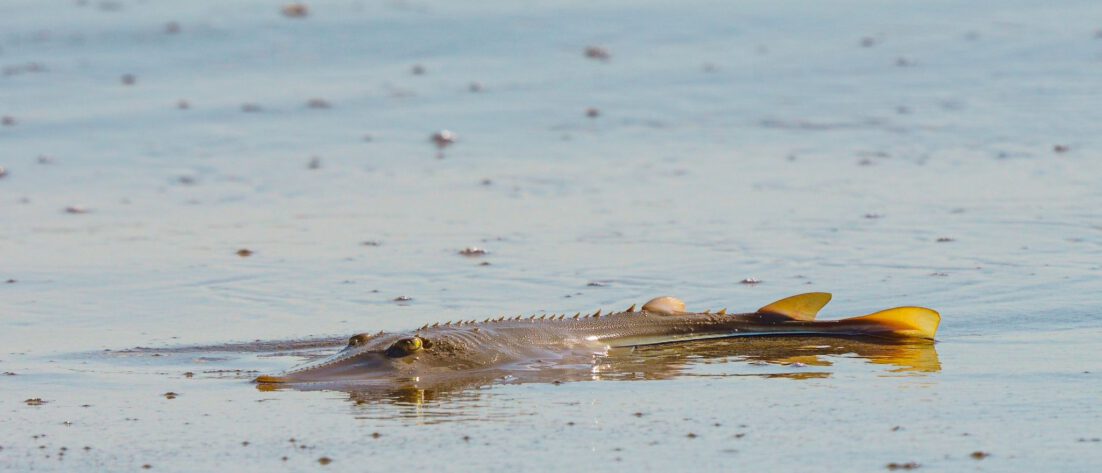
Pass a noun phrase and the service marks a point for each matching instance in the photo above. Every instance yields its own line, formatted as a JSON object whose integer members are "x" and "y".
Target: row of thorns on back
{"x": 576, "y": 316}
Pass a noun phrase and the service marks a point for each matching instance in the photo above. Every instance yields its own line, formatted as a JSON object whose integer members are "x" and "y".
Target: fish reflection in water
{"x": 739, "y": 357}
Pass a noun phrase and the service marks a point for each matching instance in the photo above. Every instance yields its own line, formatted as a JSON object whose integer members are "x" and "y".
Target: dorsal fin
{"x": 799, "y": 307}
{"x": 631, "y": 309}
{"x": 665, "y": 305}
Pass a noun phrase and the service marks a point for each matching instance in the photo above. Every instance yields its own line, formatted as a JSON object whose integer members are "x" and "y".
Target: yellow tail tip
{"x": 919, "y": 322}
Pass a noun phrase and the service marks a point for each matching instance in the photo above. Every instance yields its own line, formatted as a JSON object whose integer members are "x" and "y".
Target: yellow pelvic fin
{"x": 908, "y": 321}
{"x": 799, "y": 307}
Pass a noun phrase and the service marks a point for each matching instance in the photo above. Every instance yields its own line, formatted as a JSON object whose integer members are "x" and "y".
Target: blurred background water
{"x": 940, "y": 154}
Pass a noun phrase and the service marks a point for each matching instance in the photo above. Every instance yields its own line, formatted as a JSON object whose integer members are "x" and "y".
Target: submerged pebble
{"x": 318, "y": 103}
{"x": 443, "y": 138}
{"x": 295, "y": 10}
{"x": 598, "y": 53}
{"x": 473, "y": 251}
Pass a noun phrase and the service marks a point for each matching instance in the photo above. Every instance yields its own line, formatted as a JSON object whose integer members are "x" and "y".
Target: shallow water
{"x": 809, "y": 146}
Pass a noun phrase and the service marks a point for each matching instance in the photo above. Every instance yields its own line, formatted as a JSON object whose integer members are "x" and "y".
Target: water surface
{"x": 941, "y": 154}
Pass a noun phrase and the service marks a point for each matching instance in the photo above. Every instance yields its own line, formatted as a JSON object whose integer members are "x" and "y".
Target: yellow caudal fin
{"x": 799, "y": 307}
{"x": 906, "y": 321}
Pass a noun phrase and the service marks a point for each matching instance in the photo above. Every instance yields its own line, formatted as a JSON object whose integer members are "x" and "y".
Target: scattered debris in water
{"x": 691, "y": 435}
{"x": 371, "y": 243}
{"x": 1061, "y": 148}
{"x": 902, "y": 466}
{"x": 183, "y": 105}
{"x": 3, "y": 172}
{"x": 295, "y": 10}
{"x": 77, "y": 209}
{"x": 868, "y": 42}
{"x": 403, "y": 299}
{"x": 244, "y": 252}
{"x": 28, "y": 68}
{"x": 128, "y": 79}
{"x": 250, "y": 108}
{"x": 170, "y": 395}
{"x": 475, "y": 87}
{"x": 592, "y": 112}
{"x": 417, "y": 70}
{"x": 945, "y": 240}
{"x": 873, "y": 216}
{"x": 172, "y": 27}
{"x": 325, "y": 460}
{"x": 315, "y": 163}
{"x": 473, "y": 251}
{"x": 7, "y": 120}
{"x": 596, "y": 283}
{"x": 598, "y": 53}
{"x": 750, "y": 281}
{"x": 979, "y": 455}
{"x": 443, "y": 138}
{"x": 35, "y": 401}
{"x": 318, "y": 103}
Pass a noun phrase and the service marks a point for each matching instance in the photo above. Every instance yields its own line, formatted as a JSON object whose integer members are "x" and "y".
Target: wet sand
{"x": 212, "y": 173}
